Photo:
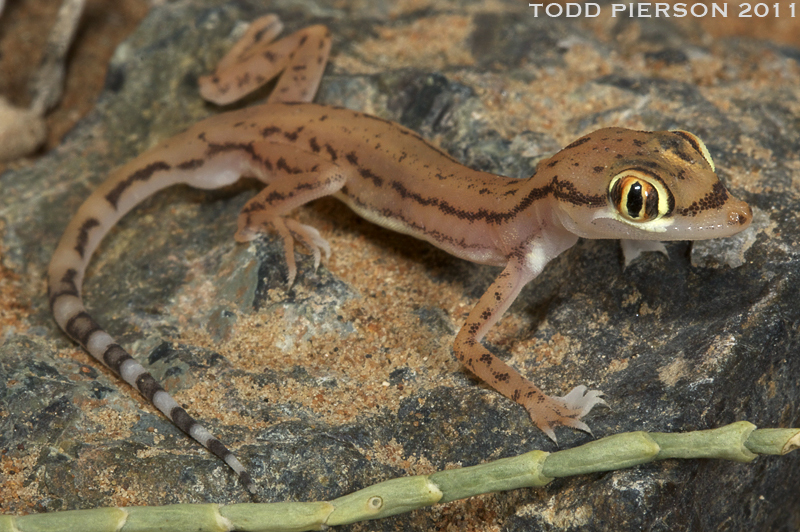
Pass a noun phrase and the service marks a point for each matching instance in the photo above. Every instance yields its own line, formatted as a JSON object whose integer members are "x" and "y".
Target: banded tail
{"x": 194, "y": 159}
{"x": 125, "y": 188}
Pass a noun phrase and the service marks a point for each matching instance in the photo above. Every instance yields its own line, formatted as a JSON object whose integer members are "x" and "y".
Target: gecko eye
{"x": 638, "y": 197}
{"x": 697, "y": 144}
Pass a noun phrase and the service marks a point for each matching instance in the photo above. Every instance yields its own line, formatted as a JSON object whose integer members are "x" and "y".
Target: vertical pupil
{"x": 634, "y": 200}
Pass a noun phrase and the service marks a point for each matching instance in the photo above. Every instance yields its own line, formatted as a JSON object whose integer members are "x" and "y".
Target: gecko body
{"x": 612, "y": 183}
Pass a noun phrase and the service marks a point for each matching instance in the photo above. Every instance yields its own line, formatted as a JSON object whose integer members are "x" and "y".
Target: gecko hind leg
{"x": 265, "y": 214}
{"x": 255, "y": 59}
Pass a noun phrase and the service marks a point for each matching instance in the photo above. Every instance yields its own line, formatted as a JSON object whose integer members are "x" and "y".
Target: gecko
{"x": 640, "y": 187}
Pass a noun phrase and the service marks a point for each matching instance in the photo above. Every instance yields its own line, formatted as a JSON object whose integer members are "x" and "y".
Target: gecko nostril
{"x": 740, "y": 217}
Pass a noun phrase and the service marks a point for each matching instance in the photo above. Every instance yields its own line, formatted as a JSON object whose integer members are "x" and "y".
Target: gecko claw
{"x": 567, "y": 411}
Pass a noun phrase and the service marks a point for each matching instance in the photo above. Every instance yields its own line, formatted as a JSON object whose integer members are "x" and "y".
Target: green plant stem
{"x": 739, "y": 441}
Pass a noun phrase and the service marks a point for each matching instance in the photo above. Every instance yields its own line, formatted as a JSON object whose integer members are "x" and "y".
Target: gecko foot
{"x": 311, "y": 239}
{"x": 290, "y": 231}
{"x": 550, "y": 412}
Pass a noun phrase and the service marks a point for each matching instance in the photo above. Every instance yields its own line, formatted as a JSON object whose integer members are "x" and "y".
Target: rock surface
{"x": 348, "y": 379}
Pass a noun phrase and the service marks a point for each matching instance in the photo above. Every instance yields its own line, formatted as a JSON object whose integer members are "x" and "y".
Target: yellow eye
{"x": 639, "y": 197}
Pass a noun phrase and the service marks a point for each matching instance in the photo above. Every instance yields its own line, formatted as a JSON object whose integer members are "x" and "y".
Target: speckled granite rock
{"x": 348, "y": 378}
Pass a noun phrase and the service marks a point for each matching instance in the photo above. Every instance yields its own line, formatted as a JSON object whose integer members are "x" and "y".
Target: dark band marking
{"x": 292, "y": 135}
{"x": 271, "y": 130}
{"x": 81, "y": 326}
{"x": 148, "y": 386}
{"x": 243, "y": 80}
{"x": 433, "y": 234}
{"x": 218, "y": 448}
{"x": 83, "y": 235}
{"x": 143, "y": 174}
{"x": 331, "y": 152}
{"x": 684, "y": 156}
{"x": 400, "y": 129}
{"x": 67, "y": 287}
{"x": 368, "y": 174}
{"x": 182, "y": 419}
{"x": 691, "y": 140}
{"x": 214, "y": 149}
{"x": 283, "y": 165}
{"x": 567, "y": 191}
{"x": 114, "y": 356}
{"x": 674, "y": 145}
{"x": 579, "y": 142}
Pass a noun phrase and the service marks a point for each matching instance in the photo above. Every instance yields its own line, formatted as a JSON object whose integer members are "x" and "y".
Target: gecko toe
{"x": 582, "y": 400}
{"x": 579, "y": 425}
{"x": 310, "y": 238}
{"x": 545, "y": 427}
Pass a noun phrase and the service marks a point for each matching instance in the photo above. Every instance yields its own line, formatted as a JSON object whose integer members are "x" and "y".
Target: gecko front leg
{"x": 547, "y": 412}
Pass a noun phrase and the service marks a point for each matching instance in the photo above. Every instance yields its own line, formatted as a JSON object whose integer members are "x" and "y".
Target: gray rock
{"x": 348, "y": 379}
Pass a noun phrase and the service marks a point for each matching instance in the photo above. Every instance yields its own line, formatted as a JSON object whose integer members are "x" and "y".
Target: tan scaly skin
{"x": 612, "y": 183}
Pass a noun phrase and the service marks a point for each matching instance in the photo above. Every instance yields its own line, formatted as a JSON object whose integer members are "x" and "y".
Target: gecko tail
{"x": 71, "y": 316}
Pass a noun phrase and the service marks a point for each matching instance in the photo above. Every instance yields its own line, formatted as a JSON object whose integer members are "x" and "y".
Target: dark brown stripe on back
{"x": 191, "y": 164}
{"x": 248, "y": 148}
{"x": 271, "y": 130}
{"x": 489, "y": 216}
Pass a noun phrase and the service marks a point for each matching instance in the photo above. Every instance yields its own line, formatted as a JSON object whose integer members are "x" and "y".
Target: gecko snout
{"x": 740, "y": 215}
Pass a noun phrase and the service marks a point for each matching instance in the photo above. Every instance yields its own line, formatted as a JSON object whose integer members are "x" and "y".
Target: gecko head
{"x": 641, "y": 185}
